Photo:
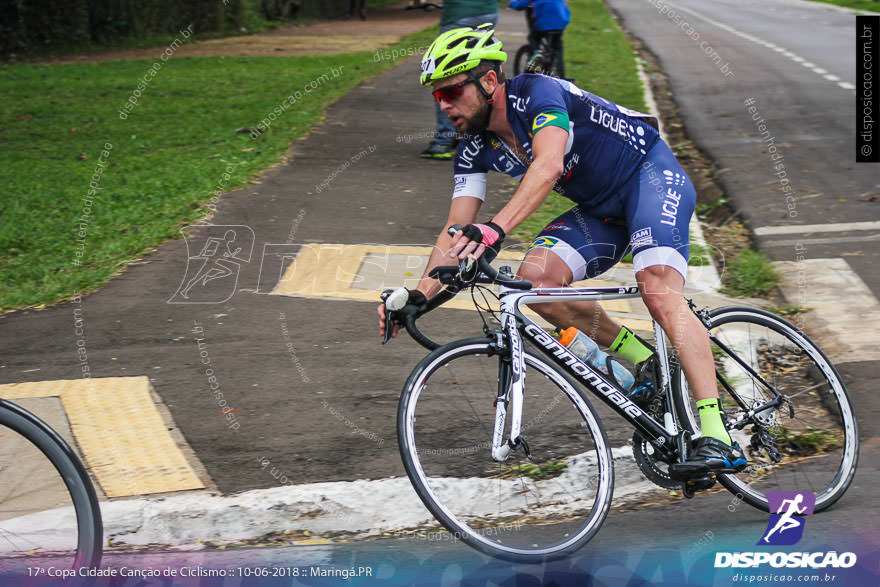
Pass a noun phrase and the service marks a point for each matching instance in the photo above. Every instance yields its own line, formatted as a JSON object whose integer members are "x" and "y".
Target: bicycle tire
{"x": 522, "y": 57}
{"x": 29, "y": 489}
{"x": 818, "y": 445}
{"x": 562, "y": 496}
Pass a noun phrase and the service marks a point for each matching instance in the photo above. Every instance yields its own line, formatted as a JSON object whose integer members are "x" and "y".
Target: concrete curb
{"x": 308, "y": 514}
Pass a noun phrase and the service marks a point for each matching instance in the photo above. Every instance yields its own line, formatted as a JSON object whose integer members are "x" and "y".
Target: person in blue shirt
{"x": 550, "y": 17}
{"x": 629, "y": 193}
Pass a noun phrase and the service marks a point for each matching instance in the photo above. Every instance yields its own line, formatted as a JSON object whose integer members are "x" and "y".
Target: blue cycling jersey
{"x": 606, "y": 142}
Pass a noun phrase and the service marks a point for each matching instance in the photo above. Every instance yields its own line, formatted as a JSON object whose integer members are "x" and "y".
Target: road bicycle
{"x": 504, "y": 448}
{"x": 49, "y": 512}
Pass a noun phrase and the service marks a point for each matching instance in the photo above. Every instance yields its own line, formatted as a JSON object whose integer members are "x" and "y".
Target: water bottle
{"x": 586, "y": 349}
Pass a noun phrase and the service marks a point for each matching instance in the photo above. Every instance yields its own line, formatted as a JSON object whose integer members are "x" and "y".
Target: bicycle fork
{"x": 511, "y": 381}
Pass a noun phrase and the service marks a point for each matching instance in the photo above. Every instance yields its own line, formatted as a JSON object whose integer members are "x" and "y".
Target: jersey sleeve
{"x": 547, "y": 106}
{"x": 469, "y": 168}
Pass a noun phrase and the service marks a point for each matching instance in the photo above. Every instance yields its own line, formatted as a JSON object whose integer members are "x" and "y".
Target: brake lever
{"x": 389, "y": 320}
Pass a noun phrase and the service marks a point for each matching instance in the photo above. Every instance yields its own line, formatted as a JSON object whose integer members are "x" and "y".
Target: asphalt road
{"x": 674, "y": 544}
{"x": 793, "y": 63}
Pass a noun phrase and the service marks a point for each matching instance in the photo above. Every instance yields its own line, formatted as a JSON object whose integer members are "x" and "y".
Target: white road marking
{"x": 843, "y": 308}
{"x": 825, "y": 241}
{"x": 805, "y": 228}
{"x": 790, "y": 54}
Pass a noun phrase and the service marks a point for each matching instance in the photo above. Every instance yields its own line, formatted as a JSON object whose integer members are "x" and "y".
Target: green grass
{"x": 788, "y": 310}
{"x": 872, "y": 5}
{"x": 808, "y": 442}
{"x": 703, "y": 210}
{"x": 166, "y": 158}
{"x": 535, "y": 471}
{"x": 750, "y": 274}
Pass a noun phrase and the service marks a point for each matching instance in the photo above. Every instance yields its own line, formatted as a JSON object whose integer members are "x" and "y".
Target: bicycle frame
{"x": 667, "y": 436}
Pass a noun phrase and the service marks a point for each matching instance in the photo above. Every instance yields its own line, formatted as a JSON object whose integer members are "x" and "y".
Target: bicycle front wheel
{"x": 49, "y": 514}
{"x": 520, "y": 509}
{"x": 813, "y": 434}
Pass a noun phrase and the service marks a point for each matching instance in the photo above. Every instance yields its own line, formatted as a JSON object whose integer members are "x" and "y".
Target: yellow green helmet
{"x": 460, "y": 50}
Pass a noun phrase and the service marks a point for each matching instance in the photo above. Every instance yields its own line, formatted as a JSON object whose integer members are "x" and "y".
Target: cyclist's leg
{"x": 573, "y": 247}
{"x": 658, "y": 205}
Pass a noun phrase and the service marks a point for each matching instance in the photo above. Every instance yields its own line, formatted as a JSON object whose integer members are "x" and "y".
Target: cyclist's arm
{"x": 548, "y": 148}
{"x": 463, "y": 210}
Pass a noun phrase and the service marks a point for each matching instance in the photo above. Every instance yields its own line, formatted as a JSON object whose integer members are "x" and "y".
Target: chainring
{"x": 657, "y": 471}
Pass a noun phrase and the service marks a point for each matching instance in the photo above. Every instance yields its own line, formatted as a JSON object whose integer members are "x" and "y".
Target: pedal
{"x": 691, "y": 486}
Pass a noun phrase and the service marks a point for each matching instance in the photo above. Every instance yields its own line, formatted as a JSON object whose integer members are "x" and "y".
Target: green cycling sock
{"x": 628, "y": 346}
{"x": 710, "y": 420}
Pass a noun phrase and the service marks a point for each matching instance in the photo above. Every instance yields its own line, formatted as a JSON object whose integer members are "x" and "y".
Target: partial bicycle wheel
{"x": 519, "y": 509}
{"x": 49, "y": 513}
{"x": 523, "y": 54}
{"x": 809, "y": 443}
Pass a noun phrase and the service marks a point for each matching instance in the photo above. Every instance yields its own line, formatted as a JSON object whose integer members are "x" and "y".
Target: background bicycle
{"x": 542, "y": 53}
{"x": 49, "y": 512}
{"x": 782, "y": 398}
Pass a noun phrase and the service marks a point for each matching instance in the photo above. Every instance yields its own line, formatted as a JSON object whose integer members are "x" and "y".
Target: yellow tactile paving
{"x": 335, "y": 271}
{"x": 121, "y": 434}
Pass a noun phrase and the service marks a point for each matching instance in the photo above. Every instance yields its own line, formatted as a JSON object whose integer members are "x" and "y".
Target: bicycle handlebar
{"x": 468, "y": 272}
{"x": 481, "y": 271}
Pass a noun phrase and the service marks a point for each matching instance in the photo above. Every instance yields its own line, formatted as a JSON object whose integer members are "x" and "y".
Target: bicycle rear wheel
{"x": 519, "y": 509}
{"x": 49, "y": 513}
{"x": 814, "y": 433}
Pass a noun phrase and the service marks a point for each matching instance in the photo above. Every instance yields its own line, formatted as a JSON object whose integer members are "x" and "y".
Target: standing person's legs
{"x": 555, "y": 40}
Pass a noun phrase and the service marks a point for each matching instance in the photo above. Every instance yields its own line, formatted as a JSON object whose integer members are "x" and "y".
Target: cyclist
{"x": 550, "y": 17}
{"x": 629, "y": 191}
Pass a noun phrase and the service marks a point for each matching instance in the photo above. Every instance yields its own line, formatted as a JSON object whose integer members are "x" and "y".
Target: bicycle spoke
{"x": 518, "y": 506}
{"x": 818, "y": 450}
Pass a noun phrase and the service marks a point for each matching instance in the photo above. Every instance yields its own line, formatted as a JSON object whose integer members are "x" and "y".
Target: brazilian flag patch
{"x": 544, "y": 241}
{"x": 551, "y": 118}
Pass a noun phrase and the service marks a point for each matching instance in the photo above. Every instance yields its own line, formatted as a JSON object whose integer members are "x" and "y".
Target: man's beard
{"x": 479, "y": 121}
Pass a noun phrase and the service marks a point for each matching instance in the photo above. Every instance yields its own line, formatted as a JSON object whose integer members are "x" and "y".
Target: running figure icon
{"x": 788, "y": 509}
{"x": 211, "y": 274}
{"x": 787, "y": 521}
{"x": 214, "y": 268}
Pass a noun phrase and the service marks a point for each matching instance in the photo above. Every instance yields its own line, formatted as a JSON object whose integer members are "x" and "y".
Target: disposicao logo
{"x": 785, "y": 528}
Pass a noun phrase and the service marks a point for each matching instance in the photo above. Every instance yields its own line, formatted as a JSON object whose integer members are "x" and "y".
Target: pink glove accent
{"x": 490, "y": 237}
